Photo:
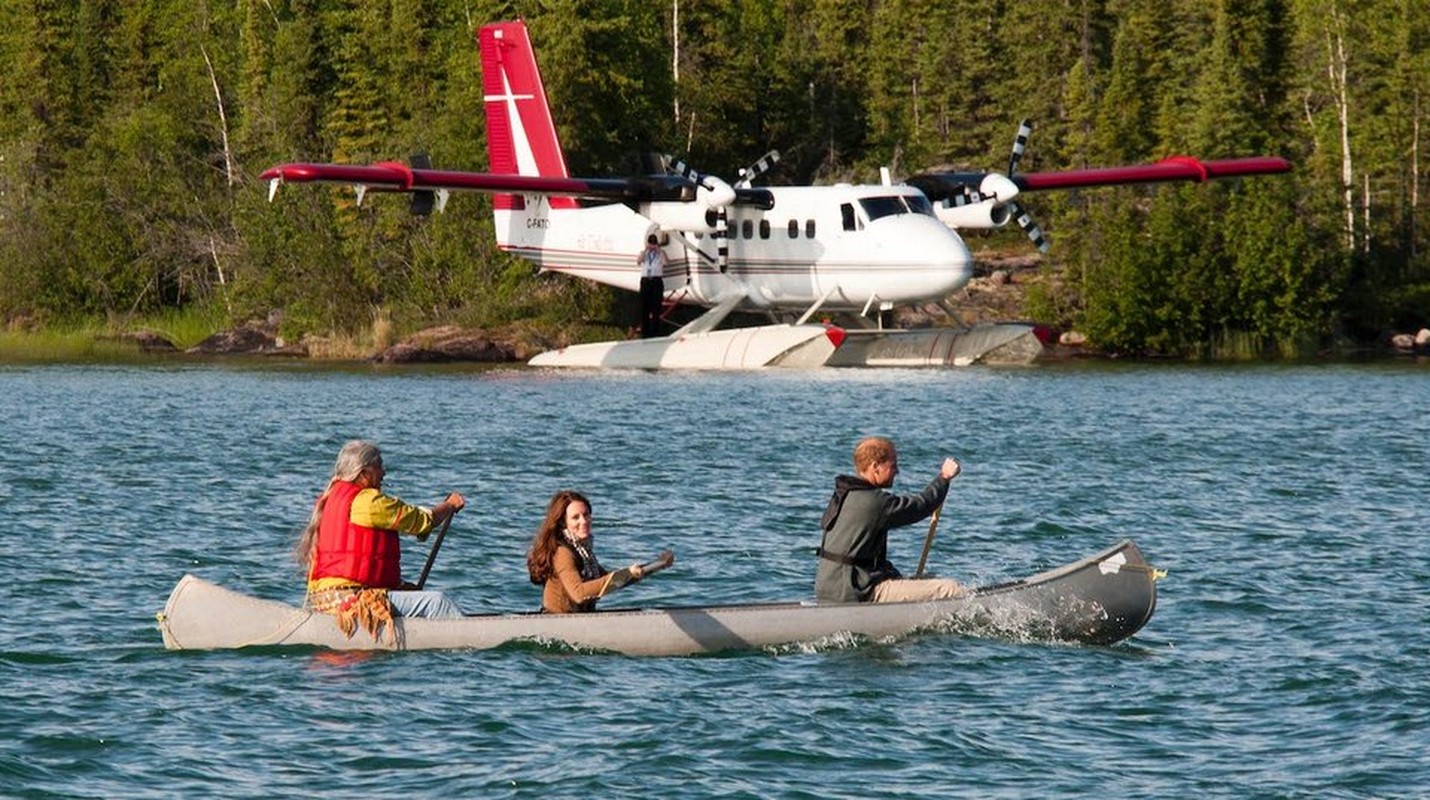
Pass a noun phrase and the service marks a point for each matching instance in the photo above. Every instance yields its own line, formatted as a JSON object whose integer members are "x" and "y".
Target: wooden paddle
{"x": 623, "y": 576}
{"x": 432, "y": 556}
{"x": 928, "y": 540}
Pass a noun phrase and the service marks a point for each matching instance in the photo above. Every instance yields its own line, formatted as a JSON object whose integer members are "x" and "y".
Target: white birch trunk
{"x": 1336, "y": 67}
{"x": 222, "y": 117}
{"x": 675, "y": 58}
{"x": 1414, "y": 172}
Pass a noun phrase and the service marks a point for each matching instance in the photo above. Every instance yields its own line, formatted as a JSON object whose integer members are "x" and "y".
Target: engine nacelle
{"x": 711, "y": 195}
{"x": 688, "y": 217}
{"x": 713, "y": 192}
{"x": 986, "y": 214}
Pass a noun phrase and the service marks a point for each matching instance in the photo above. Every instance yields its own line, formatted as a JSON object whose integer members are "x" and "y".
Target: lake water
{"x": 1287, "y": 657}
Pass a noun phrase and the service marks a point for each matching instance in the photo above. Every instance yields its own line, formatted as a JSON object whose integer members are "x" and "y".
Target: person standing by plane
{"x": 652, "y": 264}
{"x": 562, "y": 559}
{"x": 351, "y": 551}
{"x": 853, "y": 555}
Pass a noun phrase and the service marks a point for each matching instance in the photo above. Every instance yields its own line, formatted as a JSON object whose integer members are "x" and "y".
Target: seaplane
{"x": 802, "y": 255}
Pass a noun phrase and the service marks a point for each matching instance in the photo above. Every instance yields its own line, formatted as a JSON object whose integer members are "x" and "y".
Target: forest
{"x": 132, "y": 136}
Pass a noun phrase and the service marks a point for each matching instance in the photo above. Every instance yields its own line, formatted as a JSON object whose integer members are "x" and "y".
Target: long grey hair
{"x": 356, "y": 456}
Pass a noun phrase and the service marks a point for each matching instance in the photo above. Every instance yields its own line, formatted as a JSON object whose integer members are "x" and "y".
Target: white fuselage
{"x": 845, "y": 245}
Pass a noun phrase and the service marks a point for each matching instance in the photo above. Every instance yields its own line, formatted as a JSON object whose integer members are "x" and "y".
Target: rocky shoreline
{"x": 441, "y": 344}
{"x": 449, "y": 344}
{"x": 996, "y": 294}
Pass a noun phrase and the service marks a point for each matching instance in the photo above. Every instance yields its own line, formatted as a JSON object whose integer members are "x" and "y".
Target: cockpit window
{"x": 919, "y": 205}
{"x": 875, "y": 207}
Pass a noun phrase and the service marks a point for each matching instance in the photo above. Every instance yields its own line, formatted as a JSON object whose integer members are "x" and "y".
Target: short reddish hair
{"x": 873, "y": 450}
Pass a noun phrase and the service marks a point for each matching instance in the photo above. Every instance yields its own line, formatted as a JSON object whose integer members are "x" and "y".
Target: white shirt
{"x": 652, "y": 261}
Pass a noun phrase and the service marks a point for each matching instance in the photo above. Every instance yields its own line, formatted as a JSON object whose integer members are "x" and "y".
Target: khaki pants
{"x": 915, "y": 589}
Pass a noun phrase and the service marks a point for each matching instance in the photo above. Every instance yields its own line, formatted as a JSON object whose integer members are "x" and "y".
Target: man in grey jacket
{"x": 853, "y": 556}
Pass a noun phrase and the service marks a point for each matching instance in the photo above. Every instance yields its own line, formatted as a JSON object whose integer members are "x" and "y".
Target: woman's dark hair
{"x": 548, "y": 536}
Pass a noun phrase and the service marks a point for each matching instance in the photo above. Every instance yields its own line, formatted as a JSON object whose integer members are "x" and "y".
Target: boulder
{"x": 150, "y": 342}
{"x": 246, "y": 340}
{"x": 447, "y": 343}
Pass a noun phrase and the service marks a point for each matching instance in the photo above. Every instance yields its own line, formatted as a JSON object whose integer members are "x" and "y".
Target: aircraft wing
{"x": 987, "y": 199}
{"x": 974, "y": 186}
{"x": 1177, "y": 168}
{"x": 391, "y": 176}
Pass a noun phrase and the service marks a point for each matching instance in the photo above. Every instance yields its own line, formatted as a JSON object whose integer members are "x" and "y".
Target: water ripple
{"x": 1286, "y": 657}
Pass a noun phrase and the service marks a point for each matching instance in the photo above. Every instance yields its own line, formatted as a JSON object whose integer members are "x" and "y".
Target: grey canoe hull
{"x": 1101, "y": 599}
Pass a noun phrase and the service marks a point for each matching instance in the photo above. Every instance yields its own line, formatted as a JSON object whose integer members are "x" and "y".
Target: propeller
{"x": 718, "y": 195}
{"x": 1020, "y": 215}
{"x": 983, "y": 199}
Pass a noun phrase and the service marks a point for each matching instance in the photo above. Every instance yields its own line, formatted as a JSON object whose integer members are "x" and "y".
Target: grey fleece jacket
{"x": 853, "y": 555}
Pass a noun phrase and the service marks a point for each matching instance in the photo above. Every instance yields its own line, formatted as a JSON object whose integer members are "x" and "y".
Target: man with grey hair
{"x": 351, "y": 550}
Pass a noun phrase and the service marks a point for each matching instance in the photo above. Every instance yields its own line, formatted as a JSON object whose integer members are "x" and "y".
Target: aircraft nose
{"x": 957, "y": 259}
{"x": 934, "y": 250}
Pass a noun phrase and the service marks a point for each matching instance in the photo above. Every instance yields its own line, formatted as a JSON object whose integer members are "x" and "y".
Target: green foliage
{"x": 131, "y": 135}
{"x": 606, "y": 68}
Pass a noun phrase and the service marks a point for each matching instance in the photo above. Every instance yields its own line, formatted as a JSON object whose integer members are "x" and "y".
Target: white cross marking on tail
{"x": 525, "y": 159}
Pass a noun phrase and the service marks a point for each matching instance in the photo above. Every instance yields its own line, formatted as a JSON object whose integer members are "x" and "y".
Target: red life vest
{"x": 368, "y": 556}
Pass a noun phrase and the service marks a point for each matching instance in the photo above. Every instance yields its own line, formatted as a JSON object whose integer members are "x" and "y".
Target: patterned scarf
{"x": 590, "y": 567}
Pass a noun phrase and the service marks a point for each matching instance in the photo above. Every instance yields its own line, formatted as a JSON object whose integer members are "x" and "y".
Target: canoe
{"x": 1101, "y": 599}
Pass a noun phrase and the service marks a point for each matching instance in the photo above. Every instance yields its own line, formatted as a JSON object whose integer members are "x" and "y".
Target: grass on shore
{"x": 90, "y": 340}
{"x": 104, "y": 340}
{"x": 61, "y": 346}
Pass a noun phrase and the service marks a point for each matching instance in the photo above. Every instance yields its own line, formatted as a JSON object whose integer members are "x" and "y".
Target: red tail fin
{"x": 521, "y": 137}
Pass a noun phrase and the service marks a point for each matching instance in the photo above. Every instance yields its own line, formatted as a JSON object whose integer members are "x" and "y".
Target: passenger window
{"x": 794, "y": 229}
{"x": 747, "y": 229}
{"x": 764, "y": 229}
{"x": 846, "y": 211}
{"x": 809, "y": 229}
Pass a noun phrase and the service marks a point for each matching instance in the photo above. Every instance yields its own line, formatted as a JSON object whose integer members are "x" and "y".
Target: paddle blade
{"x": 625, "y": 575}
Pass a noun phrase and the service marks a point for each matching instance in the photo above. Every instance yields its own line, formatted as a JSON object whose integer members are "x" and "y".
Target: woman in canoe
{"x": 562, "y": 559}
{"x": 351, "y": 551}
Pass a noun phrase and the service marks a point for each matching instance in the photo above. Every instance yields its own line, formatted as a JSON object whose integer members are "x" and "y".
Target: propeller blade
{"x": 722, "y": 241}
{"x": 755, "y": 170}
{"x": 1020, "y": 143}
{"x": 679, "y": 167}
{"x": 718, "y": 192}
{"x": 1025, "y": 221}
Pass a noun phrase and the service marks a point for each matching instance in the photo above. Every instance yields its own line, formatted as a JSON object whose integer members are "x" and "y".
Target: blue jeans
{"x": 422, "y": 604}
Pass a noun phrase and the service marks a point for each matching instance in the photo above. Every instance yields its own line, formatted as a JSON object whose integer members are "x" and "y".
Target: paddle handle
{"x": 436, "y": 545}
{"x": 928, "y": 541}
